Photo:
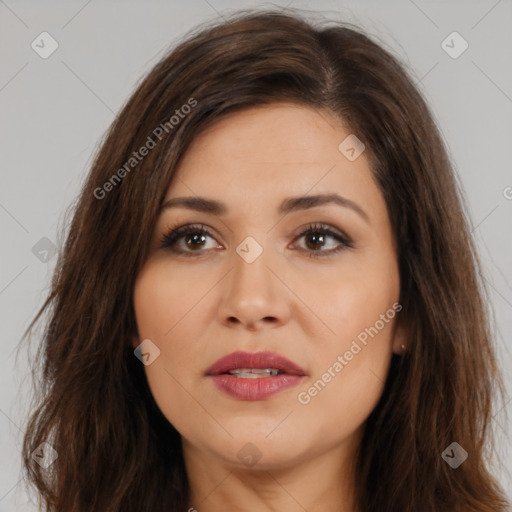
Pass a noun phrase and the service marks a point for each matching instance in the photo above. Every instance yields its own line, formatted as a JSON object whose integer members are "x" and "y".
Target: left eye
{"x": 195, "y": 237}
{"x": 317, "y": 235}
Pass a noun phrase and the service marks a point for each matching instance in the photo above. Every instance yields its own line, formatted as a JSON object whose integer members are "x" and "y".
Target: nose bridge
{"x": 253, "y": 292}
{"x": 251, "y": 276}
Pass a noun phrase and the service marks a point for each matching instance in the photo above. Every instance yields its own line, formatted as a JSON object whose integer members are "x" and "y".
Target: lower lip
{"x": 255, "y": 389}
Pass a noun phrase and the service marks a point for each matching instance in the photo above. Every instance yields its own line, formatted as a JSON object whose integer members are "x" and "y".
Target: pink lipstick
{"x": 254, "y": 375}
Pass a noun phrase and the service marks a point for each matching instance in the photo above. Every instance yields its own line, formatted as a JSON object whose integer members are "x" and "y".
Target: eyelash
{"x": 169, "y": 240}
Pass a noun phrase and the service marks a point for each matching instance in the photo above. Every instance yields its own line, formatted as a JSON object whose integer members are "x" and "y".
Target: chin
{"x": 255, "y": 450}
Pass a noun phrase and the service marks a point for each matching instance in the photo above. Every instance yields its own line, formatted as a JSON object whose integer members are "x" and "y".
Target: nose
{"x": 254, "y": 294}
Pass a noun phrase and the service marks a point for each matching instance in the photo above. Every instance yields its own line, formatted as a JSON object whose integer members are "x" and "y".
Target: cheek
{"x": 350, "y": 374}
{"x": 350, "y": 298}
{"x": 352, "y": 362}
{"x": 165, "y": 298}
{"x": 163, "y": 306}
{"x": 338, "y": 403}
{"x": 154, "y": 303}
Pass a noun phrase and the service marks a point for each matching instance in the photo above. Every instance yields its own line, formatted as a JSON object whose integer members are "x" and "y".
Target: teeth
{"x": 253, "y": 373}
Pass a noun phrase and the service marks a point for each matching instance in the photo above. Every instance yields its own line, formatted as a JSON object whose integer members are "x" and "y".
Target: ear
{"x": 135, "y": 342}
{"x": 401, "y": 338}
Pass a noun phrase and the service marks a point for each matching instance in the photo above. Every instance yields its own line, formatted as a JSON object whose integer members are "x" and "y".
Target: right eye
{"x": 194, "y": 236}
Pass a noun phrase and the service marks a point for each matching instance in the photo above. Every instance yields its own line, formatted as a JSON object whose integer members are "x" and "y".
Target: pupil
{"x": 192, "y": 239}
{"x": 319, "y": 239}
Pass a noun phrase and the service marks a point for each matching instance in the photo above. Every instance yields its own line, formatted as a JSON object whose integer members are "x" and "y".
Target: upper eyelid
{"x": 298, "y": 231}
{"x": 181, "y": 230}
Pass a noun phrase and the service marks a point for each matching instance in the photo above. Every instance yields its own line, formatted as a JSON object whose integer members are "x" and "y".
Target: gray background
{"x": 54, "y": 112}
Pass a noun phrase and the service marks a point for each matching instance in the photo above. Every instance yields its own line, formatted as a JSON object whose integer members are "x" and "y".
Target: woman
{"x": 269, "y": 297}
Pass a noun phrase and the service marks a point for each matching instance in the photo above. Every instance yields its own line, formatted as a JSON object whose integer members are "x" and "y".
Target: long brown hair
{"x": 116, "y": 450}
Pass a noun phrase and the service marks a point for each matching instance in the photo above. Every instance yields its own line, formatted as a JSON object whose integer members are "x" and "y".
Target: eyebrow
{"x": 291, "y": 204}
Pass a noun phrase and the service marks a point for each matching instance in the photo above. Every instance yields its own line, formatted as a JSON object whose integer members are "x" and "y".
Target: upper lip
{"x": 264, "y": 359}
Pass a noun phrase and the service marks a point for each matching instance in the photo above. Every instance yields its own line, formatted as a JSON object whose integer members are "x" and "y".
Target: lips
{"x": 254, "y": 360}
{"x": 245, "y": 384}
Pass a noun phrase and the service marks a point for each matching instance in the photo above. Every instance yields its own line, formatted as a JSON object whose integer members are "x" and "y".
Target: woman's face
{"x": 257, "y": 280}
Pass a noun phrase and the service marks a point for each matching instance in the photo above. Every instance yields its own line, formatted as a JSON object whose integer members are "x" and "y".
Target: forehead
{"x": 283, "y": 134}
{"x": 264, "y": 153}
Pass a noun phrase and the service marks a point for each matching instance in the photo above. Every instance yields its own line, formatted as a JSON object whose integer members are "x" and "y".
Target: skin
{"x": 200, "y": 308}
